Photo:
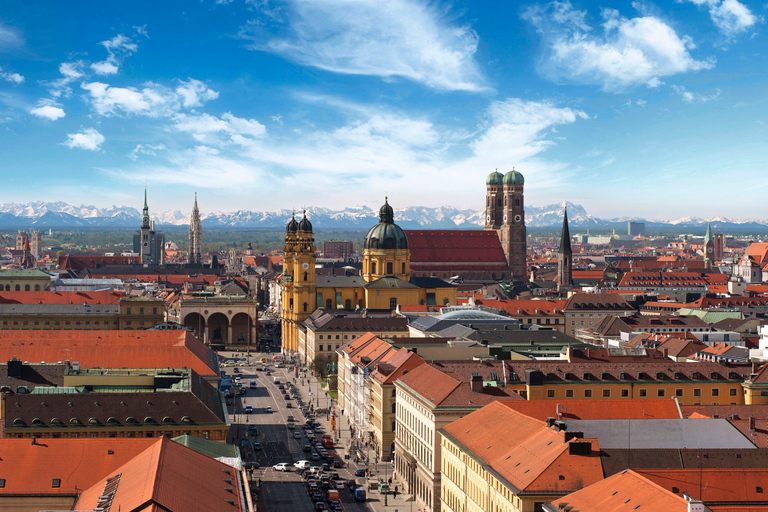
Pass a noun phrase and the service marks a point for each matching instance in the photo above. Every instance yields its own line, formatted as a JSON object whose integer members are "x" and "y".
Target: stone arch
{"x": 241, "y": 324}
{"x": 218, "y": 329}
{"x": 197, "y": 322}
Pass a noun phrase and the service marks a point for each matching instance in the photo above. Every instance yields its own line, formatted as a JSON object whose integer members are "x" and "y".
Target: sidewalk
{"x": 383, "y": 470}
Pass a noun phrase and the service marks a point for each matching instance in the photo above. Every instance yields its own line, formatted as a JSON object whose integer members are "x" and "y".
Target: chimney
{"x": 560, "y": 425}
{"x": 666, "y": 352}
{"x": 752, "y": 425}
{"x": 476, "y": 385}
{"x": 573, "y": 435}
{"x": 550, "y": 422}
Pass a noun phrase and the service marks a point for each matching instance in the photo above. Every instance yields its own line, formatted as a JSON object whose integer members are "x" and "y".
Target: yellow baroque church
{"x": 386, "y": 280}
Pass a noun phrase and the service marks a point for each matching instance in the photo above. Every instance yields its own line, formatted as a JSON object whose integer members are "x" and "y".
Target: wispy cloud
{"x": 118, "y": 48}
{"x": 10, "y": 38}
{"x": 146, "y": 149}
{"x": 70, "y": 71}
{"x": 48, "y": 109}
{"x": 629, "y": 51}
{"x": 89, "y": 139}
{"x": 397, "y": 38}
{"x": 731, "y": 17}
{"x": 691, "y": 97}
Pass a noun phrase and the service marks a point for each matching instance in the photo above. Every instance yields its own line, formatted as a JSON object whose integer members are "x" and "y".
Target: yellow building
{"x": 387, "y": 280}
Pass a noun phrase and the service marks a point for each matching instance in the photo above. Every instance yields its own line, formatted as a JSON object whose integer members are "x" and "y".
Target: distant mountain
{"x": 59, "y": 214}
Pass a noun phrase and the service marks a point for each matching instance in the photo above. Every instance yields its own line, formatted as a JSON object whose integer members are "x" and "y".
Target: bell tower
{"x": 494, "y": 209}
{"x": 298, "y": 281}
{"x": 512, "y": 232}
{"x": 565, "y": 258}
{"x": 709, "y": 247}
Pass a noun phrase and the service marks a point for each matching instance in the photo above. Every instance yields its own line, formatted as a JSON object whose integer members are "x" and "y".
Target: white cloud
{"x": 14, "y": 78}
{"x": 70, "y": 72}
{"x": 118, "y": 48}
{"x": 194, "y": 92}
{"x": 48, "y": 109}
{"x": 146, "y": 149}
{"x": 88, "y": 139}
{"x": 152, "y": 100}
{"x": 690, "y": 97}
{"x": 629, "y": 52}
{"x": 731, "y": 17}
{"x": 142, "y": 30}
{"x": 397, "y": 38}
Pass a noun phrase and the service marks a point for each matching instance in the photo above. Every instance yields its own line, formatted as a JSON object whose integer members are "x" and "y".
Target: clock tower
{"x": 298, "y": 280}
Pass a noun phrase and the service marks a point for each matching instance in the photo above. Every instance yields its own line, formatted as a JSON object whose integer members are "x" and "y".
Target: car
{"x": 244, "y": 442}
{"x": 359, "y": 472}
{"x": 339, "y": 485}
{"x": 290, "y": 418}
{"x": 286, "y": 397}
{"x": 307, "y": 448}
{"x": 318, "y": 429}
{"x": 282, "y": 466}
{"x": 248, "y": 409}
{"x": 269, "y": 408}
{"x": 326, "y": 467}
{"x": 335, "y": 505}
{"x": 315, "y": 456}
{"x": 252, "y": 427}
{"x": 301, "y": 464}
{"x": 297, "y": 435}
{"x": 320, "y": 506}
{"x": 288, "y": 405}
{"x": 337, "y": 464}
{"x": 257, "y": 446}
{"x": 235, "y": 370}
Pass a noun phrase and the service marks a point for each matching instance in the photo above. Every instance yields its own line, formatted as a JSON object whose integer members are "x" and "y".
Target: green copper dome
{"x": 495, "y": 178}
{"x": 514, "y": 178}
{"x": 386, "y": 234}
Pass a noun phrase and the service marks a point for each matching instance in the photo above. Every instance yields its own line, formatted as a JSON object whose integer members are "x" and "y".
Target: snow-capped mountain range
{"x": 59, "y": 214}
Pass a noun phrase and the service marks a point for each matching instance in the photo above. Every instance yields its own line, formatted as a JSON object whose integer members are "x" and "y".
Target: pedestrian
{"x": 389, "y": 481}
{"x": 395, "y": 495}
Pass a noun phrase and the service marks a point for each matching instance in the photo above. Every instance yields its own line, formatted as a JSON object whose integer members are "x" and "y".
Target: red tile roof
{"x": 78, "y": 463}
{"x": 623, "y": 492}
{"x": 724, "y": 486}
{"x": 104, "y": 297}
{"x": 525, "y": 307}
{"x": 111, "y": 349}
{"x": 457, "y": 247}
{"x": 596, "y": 409}
{"x": 170, "y": 477}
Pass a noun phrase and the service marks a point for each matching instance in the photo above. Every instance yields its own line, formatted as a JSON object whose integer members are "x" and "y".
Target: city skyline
{"x": 272, "y": 105}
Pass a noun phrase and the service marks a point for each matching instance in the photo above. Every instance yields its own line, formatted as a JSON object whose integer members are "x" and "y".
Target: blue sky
{"x": 653, "y": 109}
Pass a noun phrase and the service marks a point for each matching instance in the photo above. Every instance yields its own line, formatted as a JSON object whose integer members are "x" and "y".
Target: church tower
{"x": 565, "y": 258}
{"x": 494, "y": 200}
{"x": 511, "y": 224}
{"x": 148, "y": 243}
{"x": 709, "y": 247}
{"x": 298, "y": 280}
{"x": 195, "y": 236}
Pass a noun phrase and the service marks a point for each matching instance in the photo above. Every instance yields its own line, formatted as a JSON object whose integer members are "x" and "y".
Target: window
{"x": 329, "y": 304}
{"x": 550, "y": 393}
{"x": 642, "y": 393}
{"x": 389, "y": 268}
{"x": 402, "y": 265}
{"x": 393, "y": 303}
{"x": 26, "y": 288}
{"x": 661, "y": 392}
{"x": 373, "y": 267}
{"x": 733, "y": 392}
{"x": 624, "y": 393}
{"x": 154, "y": 311}
{"x": 37, "y": 287}
{"x": 587, "y": 393}
{"x": 319, "y": 348}
{"x": 305, "y": 306}
{"x": 606, "y": 393}
{"x": 678, "y": 392}
{"x": 347, "y": 304}
{"x": 696, "y": 391}
{"x": 715, "y": 392}
{"x": 568, "y": 393}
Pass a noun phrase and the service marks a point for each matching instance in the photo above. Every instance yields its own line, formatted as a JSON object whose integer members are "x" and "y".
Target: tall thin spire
{"x": 565, "y": 257}
{"x": 708, "y": 236}
{"x": 565, "y": 236}
{"x": 145, "y": 213}
{"x": 195, "y": 236}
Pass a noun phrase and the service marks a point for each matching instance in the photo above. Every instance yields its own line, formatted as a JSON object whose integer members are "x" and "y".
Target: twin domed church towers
{"x": 505, "y": 214}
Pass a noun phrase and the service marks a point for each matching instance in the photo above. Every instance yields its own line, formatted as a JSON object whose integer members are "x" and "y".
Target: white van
{"x": 276, "y": 380}
{"x": 302, "y": 464}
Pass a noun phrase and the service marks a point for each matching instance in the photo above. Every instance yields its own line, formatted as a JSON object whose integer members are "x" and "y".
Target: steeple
{"x": 708, "y": 236}
{"x": 709, "y": 247}
{"x": 565, "y": 236}
{"x": 145, "y": 213}
{"x": 195, "y": 236}
{"x": 565, "y": 258}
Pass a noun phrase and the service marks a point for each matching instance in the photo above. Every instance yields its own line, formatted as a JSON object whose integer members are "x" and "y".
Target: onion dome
{"x": 292, "y": 226}
{"x": 513, "y": 178}
{"x": 304, "y": 225}
{"x": 495, "y": 178}
{"x": 386, "y": 234}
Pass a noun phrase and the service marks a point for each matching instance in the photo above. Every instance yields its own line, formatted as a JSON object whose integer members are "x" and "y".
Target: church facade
{"x": 386, "y": 277}
{"x": 505, "y": 214}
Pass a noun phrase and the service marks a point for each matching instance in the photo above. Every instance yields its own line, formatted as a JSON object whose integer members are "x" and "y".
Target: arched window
{"x": 305, "y": 276}
{"x": 389, "y": 268}
{"x": 517, "y": 202}
{"x": 37, "y": 287}
{"x": 373, "y": 267}
{"x": 305, "y": 306}
{"x": 403, "y": 268}
{"x": 394, "y": 393}
{"x": 26, "y": 288}
{"x": 18, "y": 288}
{"x": 7, "y": 287}
{"x": 328, "y": 304}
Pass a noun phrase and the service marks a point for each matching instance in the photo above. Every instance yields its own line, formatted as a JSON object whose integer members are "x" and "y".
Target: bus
{"x": 327, "y": 442}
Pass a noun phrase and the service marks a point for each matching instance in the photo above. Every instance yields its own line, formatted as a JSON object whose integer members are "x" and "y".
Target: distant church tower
{"x": 709, "y": 247}
{"x": 565, "y": 258}
{"x": 298, "y": 281}
{"x": 505, "y": 214}
{"x": 148, "y": 243}
{"x": 195, "y": 236}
